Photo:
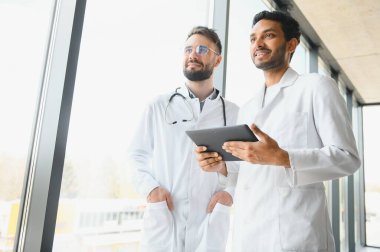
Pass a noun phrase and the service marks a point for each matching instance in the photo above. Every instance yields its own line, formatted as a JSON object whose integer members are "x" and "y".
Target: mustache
{"x": 194, "y": 61}
{"x": 262, "y": 49}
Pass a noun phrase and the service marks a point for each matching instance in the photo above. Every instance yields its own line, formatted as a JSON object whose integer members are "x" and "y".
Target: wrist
{"x": 285, "y": 161}
{"x": 223, "y": 169}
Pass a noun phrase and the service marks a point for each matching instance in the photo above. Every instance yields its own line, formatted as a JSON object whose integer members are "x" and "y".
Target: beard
{"x": 198, "y": 75}
{"x": 277, "y": 61}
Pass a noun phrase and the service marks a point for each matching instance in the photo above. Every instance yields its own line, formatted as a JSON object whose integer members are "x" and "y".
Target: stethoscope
{"x": 190, "y": 108}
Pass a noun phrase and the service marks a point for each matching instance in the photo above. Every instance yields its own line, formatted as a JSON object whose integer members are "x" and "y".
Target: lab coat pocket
{"x": 302, "y": 219}
{"x": 215, "y": 230}
{"x": 158, "y": 228}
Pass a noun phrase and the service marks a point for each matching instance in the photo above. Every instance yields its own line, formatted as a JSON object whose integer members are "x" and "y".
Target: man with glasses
{"x": 305, "y": 138}
{"x": 187, "y": 208}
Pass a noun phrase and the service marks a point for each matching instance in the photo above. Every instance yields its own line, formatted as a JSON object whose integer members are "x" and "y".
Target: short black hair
{"x": 289, "y": 25}
{"x": 208, "y": 33}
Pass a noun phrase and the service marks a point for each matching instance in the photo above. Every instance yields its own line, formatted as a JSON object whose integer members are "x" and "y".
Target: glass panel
{"x": 25, "y": 27}
{"x": 323, "y": 68}
{"x": 300, "y": 59}
{"x": 241, "y": 72}
{"x": 343, "y": 193}
{"x": 343, "y": 213}
{"x": 243, "y": 78}
{"x": 130, "y": 52}
{"x": 371, "y": 138}
{"x": 356, "y": 127}
{"x": 342, "y": 89}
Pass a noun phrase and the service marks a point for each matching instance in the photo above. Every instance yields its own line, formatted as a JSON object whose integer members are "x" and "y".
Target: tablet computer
{"x": 213, "y": 138}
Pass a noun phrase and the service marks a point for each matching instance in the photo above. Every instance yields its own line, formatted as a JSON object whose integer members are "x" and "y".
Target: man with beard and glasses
{"x": 187, "y": 208}
{"x": 305, "y": 138}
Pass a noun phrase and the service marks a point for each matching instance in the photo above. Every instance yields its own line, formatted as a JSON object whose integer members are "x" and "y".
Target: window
{"x": 130, "y": 52}
{"x": 300, "y": 59}
{"x": 25, "y": 28}
{"x": 323, "y": 68}
{"x": 371, "y": 138}
{"x": 243, "y": 78}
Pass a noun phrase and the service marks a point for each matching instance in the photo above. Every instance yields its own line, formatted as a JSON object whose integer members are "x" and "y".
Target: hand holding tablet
{"x": 213, "y": 138}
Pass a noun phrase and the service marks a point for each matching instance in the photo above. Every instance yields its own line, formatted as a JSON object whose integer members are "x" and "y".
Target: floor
{"x": 369, "y": 249}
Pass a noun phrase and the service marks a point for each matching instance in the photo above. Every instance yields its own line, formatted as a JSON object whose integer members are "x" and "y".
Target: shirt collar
{"x": 212, "y": 96}
{"x": 288, "y": 78}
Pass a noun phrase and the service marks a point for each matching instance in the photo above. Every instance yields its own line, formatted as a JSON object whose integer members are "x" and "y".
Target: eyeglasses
{"x": 200, "y": 50}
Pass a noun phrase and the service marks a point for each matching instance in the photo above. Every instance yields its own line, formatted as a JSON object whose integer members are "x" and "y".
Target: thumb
{"x": 169, "y": 201}
{"x": 260, "y": 135}
{"x": 211, "y": 204}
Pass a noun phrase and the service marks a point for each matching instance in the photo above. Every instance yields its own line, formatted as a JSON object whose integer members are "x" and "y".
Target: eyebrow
{"x": 265, "y": 31}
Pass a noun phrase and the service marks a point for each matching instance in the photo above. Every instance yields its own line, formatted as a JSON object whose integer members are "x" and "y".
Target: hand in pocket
{"x": 159, "y": 194}
{"x": 221, "y": 197}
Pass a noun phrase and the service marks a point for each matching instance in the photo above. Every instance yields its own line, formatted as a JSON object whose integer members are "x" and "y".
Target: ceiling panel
{"x": 350, "y": 31}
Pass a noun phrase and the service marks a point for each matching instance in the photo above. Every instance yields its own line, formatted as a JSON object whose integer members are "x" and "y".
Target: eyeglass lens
{"x": 201, "y": 49}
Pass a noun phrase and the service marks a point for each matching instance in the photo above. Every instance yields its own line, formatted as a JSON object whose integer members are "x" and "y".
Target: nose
{"x": 259, "y": 42}
{"x": 193, "y": 54}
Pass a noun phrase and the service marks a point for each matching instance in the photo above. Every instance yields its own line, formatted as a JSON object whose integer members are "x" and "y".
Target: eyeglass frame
{"x": 186, "y": 52}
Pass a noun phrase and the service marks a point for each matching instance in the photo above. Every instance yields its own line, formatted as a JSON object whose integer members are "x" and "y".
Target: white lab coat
{"x": 163, "y": 155}
{"x": 278, "y": 209}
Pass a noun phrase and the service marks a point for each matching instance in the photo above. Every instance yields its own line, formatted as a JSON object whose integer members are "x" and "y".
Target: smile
{"x": 261, "y": 52}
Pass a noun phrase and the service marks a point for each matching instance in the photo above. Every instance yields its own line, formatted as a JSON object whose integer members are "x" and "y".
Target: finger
{"x": 169, "y": 201}
{"x": 239, "y": 154}
{"x": 233, "y": 145}
{"x": 227, "y": 147}
{"x": 200, "y": 149}
{"x": 212, "y": 204}
{"x": 210, "y": 162}
{"x": 207, "y": 155}
{"x": 260, "y": 135}
{"x": 241, "y": 150}
{"x": 226, "y": 199}
{"x": 212, "y": 167}
{"x": 152, "y": 195}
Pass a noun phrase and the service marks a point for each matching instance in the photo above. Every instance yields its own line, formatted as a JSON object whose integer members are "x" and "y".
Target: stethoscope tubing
{"x": 176, "y": 93}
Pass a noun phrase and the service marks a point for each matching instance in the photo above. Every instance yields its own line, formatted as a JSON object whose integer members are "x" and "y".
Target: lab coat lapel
{"x": 253, "y": 107}
{"x": 287, "y": 79}
{"x": 258, "y": 99}
{"x": 258, "y": 106}
{"x": 183, "y": 91}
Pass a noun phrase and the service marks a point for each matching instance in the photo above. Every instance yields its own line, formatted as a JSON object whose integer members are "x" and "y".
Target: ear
{"x": 218, "y": 60}
{"x": 292, "y": 45}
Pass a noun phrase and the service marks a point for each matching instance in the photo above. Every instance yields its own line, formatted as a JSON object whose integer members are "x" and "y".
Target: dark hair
{"x": 208, "y": 33}
{"x": 289, "y": 25}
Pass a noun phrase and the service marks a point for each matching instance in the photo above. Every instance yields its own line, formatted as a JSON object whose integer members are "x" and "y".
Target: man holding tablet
{"x": 305, "y": 138}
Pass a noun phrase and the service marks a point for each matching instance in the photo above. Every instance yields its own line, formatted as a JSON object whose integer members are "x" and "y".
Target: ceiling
{"x": 348, "y": 37}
